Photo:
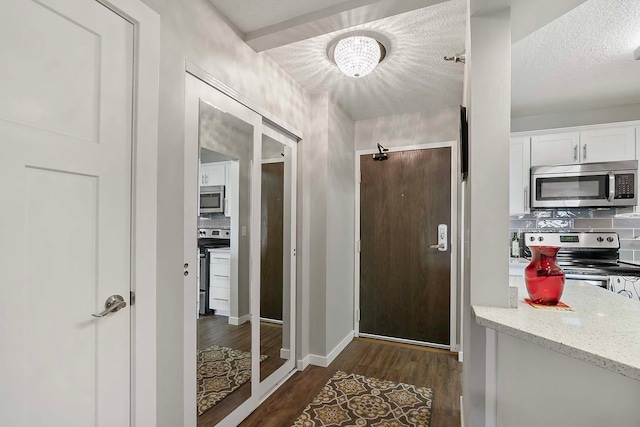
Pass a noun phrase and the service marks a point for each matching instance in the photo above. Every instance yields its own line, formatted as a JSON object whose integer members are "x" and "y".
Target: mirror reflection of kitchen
{"x": 275, "y": 243}
{"x": 224, "y": 328}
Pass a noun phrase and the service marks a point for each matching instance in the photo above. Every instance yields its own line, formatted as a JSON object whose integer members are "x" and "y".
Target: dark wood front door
{"x": 404, "y": 284}
{"x": 271, "y": 241}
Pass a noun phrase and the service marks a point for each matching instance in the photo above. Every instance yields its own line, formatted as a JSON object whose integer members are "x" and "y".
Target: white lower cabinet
{"x": 219, "y": 281}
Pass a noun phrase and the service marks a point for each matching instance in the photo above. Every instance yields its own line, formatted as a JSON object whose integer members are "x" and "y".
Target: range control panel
{"x": 573, "y": 240}
{"x": 624, "y": 186}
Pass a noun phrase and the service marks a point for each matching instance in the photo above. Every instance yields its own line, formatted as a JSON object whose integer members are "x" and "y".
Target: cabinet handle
{"x": 526, "y": 197}
{"x": 584, "y": 152}
{"x": 575, "y": 153}
{"x": 217, "y": 275}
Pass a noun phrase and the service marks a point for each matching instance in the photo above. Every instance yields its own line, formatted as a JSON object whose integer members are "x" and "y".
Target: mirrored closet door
{"x": 239, "y": 305}
{"x": 277, "y": 265}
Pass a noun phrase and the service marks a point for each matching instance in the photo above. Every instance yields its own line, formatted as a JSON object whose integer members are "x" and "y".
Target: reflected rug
{"x": 355, "y": 400}
{"x": 221, "y": 370}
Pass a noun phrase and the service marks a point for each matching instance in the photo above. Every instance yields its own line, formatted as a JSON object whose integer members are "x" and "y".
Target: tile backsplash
{"x": 621, "y": 221}
{"x": 214, "y": 220}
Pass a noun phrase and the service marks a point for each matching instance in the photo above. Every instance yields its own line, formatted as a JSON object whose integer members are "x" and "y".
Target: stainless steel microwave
{"x": 212, "y": 199}
{"x": 607, "y": 184}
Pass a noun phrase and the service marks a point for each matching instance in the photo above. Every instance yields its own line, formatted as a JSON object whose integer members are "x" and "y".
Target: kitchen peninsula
{"x": 564, "y": 368}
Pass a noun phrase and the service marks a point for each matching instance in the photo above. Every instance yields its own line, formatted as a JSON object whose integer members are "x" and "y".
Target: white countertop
{"x": 603, "y": 329}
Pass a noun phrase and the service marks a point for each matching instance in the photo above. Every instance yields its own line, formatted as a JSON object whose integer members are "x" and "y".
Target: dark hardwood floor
{"x": 438, "y": 370}
{"x": 216, "y": 330}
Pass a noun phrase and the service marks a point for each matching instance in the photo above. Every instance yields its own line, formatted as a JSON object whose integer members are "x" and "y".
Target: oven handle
{"x": 612, "y": 186}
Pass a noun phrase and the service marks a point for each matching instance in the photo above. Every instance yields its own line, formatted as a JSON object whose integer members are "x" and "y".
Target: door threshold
{"x": 401, "y": 342}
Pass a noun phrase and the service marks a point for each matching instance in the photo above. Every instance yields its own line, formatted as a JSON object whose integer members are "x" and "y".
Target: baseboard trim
{"x": 235, "y": 321}
{"x": 303, "y": 363}
{"x": 284, "y": 353}
{"x": 324, "y": 361}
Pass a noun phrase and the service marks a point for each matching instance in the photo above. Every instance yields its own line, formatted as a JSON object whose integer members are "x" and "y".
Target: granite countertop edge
{"x": 511, "y": 322}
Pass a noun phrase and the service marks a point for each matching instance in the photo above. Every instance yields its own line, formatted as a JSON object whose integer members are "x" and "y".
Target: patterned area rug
{"x": 221, "y": 370}
{"x": 355, "y": 400}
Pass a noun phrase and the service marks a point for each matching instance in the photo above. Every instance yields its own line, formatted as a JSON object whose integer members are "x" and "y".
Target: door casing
{"x": 453, "y": 232}
{"x": 144, "y": 201}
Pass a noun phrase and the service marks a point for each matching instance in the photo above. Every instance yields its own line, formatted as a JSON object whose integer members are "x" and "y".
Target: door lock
{"x": 442, "y": 239}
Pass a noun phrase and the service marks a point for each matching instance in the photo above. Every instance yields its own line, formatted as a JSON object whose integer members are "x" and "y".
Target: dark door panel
{"x": 405, "y": 284}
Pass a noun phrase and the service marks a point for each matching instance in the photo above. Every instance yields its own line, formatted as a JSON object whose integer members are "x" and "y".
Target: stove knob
{"x": 600, "y": 239}
{"x": 610, "y": 239}
{"x": 532, "y": 238}
{"x": 540, "y": 239}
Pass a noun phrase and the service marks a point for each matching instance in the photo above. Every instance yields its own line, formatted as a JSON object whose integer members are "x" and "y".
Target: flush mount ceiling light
{"x": 356, "y": 55}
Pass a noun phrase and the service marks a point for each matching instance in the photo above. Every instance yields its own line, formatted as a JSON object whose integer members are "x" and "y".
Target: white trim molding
{"x": 302, "y": 364}
{"x": 325, "y": 361}
{"x": 235, "y": 321}
{"x": 146, "y": 86}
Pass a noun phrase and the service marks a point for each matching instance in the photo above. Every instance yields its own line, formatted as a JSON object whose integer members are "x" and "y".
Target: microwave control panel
{"x": 624, "y": 186}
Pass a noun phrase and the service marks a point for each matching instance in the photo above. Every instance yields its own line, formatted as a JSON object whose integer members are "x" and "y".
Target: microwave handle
{"x": 612, "y": 186}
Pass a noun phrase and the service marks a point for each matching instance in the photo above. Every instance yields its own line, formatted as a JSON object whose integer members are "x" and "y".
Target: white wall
{"x": 316, "y": 173}
{"x": 489, "y": 59}
{"x": 341, "y": 192}
{"x": 193, "y": 30}
{"x": 619, "y": 113}
{"x": 409, "y": 129}
{"x": 330, "y": 169}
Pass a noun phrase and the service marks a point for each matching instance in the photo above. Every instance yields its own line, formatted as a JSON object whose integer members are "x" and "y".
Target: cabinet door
{"x": 555, "y": 149}
{"x": 216, "y": 174}
{"x": 607, "y": 145}
{"x": 519, "y": 176}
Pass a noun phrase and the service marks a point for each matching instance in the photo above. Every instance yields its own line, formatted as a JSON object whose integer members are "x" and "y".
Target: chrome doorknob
{"x": 111, "y": 305}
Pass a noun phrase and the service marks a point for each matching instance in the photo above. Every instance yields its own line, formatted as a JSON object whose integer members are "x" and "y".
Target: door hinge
{"x": 358, "y": 314}
{"x": 359, "y": 246}
{"x": 360, "y": 178}
{"x": 132, "y": 298}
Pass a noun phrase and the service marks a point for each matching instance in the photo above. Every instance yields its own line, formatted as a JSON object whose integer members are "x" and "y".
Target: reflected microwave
{"x": 607, "y": 184}
{"x": 212, "y": 199}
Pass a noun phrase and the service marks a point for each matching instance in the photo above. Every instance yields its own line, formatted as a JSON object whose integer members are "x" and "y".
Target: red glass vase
{"x": 543, "y": 276}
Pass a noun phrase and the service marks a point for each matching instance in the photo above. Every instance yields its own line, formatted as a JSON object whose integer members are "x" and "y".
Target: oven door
{"x": 573, "y": 190}
{"x": 212, "y": 201}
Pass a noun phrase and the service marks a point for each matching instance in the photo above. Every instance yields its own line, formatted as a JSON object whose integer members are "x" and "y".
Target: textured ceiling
{"x": 251, "y": 15}
{"x": 413, "y": 76}
{"x": 580, "y": 61}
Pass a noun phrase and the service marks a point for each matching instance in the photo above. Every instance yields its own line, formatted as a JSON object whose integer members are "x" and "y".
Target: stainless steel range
{"x": 593, "y": 257}
{"x": 209, "y": 238}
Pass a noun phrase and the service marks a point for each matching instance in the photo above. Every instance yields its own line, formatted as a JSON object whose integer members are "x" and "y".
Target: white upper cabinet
{"x": 519, "y": 166}
{"x": 212, "y": 174}
{"x": 607, "y": 145}
{"x": 586, "y": 146}
{"x": 555, "y": 149}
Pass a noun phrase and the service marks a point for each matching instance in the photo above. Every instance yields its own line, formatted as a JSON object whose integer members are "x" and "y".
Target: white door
{"x": 65, "y": 182}
{"x": 555, "y": 149}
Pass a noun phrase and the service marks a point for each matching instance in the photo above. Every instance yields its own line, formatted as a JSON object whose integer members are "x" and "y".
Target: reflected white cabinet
{"x": 220, "y": 281}
{"x": 607, "y": 145}
{"x": 519, "y": 181}
{"x": 212, "y": 174}
{"x": 555, "y": 149}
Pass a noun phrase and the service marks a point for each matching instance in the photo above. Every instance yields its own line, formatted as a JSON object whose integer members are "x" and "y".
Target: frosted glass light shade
{"x": 357, "y": 56}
